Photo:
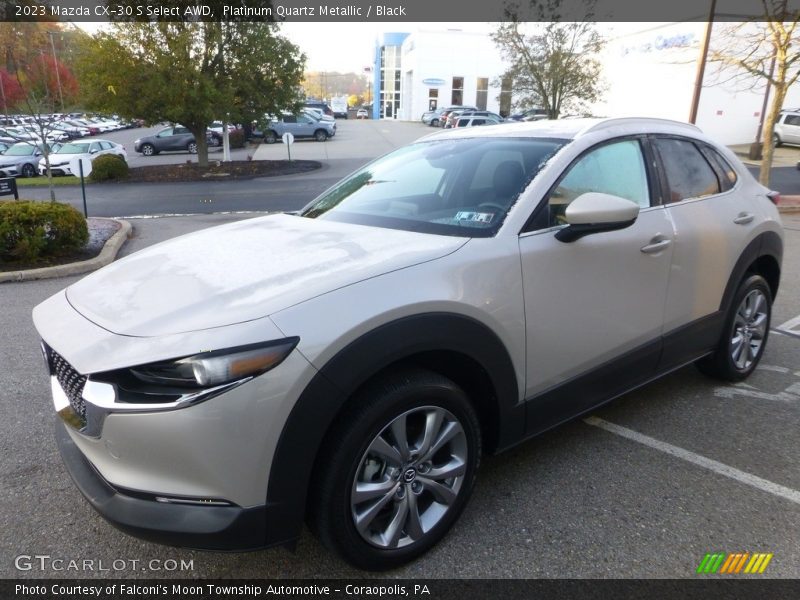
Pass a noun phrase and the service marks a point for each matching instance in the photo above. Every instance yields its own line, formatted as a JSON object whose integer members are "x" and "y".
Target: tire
{"x": 28, "y": 170}
{"x": 745, "y": 333}
{"x": 320, "y": 135}
{"x": 192, "y": 147}
{"x": 410, "y": 402}
{"x": 434, "y": 122}
{"x": 270, "y": 137}
{"x": 148, "y": 150}
{"x": 776, "y": 140}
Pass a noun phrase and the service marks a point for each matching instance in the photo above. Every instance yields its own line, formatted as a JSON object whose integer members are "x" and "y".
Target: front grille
{"x": 71, "y": 382}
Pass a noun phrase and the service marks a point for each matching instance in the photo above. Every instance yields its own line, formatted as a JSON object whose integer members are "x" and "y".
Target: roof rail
{"x": 614, "y": 121}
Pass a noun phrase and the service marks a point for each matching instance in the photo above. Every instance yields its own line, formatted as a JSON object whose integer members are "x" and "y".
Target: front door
{"x": 594, "y": 307}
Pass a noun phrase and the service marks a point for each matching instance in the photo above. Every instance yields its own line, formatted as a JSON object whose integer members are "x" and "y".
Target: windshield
{"x": 73, "y": 149}
{"x": 20, "y": 150}
{"x": 461, "y": 187}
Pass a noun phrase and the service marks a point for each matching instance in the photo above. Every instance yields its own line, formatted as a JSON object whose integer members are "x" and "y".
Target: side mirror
{"x": 92, "y": 151}
{"x": 594, "y": 212}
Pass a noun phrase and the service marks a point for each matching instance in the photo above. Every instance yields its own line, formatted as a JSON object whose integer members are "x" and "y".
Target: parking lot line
{"x": 790, "y": 325}
{"x": 701, "y": 461}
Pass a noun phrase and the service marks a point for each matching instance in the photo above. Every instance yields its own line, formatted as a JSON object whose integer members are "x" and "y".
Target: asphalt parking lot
{"x": 645, "y": 487}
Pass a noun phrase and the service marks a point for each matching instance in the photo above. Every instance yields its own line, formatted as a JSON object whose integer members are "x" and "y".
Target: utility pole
{"x": 701, "y": 66}
{"x": 55, "y": 66}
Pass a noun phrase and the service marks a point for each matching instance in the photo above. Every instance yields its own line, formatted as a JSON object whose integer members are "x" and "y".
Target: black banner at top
{"x": 387, "y": 11}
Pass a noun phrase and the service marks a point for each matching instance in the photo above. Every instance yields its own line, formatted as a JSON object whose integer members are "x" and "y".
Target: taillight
{"x": 775, "y": 197}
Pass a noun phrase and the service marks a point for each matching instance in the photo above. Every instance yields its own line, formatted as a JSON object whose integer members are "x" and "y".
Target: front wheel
{"x": 745, "y": 333}
{"x": 192, "y": 147}
{"x": 396, "y": 470}
{"x": 28, "y": 170}
{"x": 270, "y": 137}
{"x": 148, "y": 150}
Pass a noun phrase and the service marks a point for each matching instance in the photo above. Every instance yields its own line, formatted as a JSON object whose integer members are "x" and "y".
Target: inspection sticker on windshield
{"x": 475, "y": 217}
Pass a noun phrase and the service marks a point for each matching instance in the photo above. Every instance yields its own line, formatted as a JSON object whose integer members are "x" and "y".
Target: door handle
{"x": 744, "y": 218}
{"x": 656, "y": 245}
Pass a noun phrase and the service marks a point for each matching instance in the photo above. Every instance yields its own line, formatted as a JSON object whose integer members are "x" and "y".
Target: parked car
{"x": 20, "y": 160}
{"x": 61, "y": 158}
{"x": 327, "y": 110}
{"x": 442, "y": 118}
{"x": 317, "y": 114}
{"x": 787, "y": 128}
{"x": 362, "y": 113}
{"x": 531, "y": 114}
{"x": 173, "y": 138}
{"x": 302, "y": 125}
{"x": 468, "y": 120}
{"x": 351, "y": 363}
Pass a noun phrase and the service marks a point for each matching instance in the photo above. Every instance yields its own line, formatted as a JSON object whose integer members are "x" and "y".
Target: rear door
{"x": 714, "y": 221}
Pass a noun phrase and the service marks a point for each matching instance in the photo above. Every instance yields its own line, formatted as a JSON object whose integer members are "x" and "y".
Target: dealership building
{"x": 649, "y": 70}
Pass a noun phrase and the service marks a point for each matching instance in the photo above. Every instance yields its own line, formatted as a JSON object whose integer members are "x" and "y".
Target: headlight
{"x": 196, "y": 377}
{"x": 210, "y": 369}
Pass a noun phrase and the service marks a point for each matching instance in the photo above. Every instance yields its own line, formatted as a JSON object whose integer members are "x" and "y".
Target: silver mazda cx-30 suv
{"x": 348, "y": 365}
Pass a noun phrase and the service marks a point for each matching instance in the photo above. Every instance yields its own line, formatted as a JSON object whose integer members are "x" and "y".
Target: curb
{"x": 106, "y": 256}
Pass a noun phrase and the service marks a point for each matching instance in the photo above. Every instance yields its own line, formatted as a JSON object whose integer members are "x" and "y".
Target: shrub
{"x": 108, "y": 167}
{"x": 236, "y": 138}
{"x": 31, "y": 230}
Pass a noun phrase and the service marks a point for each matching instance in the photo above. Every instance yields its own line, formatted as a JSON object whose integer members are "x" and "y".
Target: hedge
{"x": 108, "y": 167}
{"x": 30, "y": 230}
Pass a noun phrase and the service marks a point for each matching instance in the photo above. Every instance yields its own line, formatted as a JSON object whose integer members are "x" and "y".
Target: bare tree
{"x": 766, "y": 51}
{"x": 552, "y": 64}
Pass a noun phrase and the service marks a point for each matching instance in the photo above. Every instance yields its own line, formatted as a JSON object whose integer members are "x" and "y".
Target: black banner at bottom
{"x": 433, "y": 589}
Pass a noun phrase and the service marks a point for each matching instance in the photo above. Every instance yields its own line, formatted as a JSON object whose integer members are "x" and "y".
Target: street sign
{"x": 75, "y": 167}
{"x": 288, "y": 138}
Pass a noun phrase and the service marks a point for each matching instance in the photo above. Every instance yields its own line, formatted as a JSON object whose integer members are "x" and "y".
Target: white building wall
{"x": 650, "y": 70}
{"x": 442, "y": 55}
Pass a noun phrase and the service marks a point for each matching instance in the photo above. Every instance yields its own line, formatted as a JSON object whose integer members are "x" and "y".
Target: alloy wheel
{"x": 409, "y": 477}
{"x": 749, "y": 329}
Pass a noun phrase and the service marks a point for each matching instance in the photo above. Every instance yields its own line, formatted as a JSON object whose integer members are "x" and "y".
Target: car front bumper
{"x": 194, "y": 525}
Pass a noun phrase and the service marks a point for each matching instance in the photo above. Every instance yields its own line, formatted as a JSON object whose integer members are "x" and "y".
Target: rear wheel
{"x": 745, "y": 333}
{"x": 776, "y": 140}
{"x": 320, "y": 135}
{"x": 396, "y": 470}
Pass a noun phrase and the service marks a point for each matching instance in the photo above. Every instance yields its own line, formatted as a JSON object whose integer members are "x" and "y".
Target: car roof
{"x": 571, "y": 128}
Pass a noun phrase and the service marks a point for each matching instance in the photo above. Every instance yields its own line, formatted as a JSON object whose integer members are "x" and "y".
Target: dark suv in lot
{"x": 173, "y": 138}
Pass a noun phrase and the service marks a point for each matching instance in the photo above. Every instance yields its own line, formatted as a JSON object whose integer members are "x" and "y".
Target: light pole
{"x": 701, "y": 66}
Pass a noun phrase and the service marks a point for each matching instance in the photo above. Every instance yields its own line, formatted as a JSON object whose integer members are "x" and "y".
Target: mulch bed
{"x": 100, "y": 231}
{"x": 219, "y": 171}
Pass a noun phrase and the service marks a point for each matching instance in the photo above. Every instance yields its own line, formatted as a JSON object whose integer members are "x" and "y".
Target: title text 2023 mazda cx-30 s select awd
{"x": 348, "y": 365}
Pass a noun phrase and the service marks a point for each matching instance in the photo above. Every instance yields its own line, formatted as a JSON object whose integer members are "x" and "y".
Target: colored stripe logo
{"x": 734, "y": 563}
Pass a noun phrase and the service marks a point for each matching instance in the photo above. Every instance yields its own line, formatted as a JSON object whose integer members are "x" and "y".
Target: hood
{"x": 243, "y": 271}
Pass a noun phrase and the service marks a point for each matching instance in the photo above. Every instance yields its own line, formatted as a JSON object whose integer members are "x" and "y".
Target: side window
{"x": 688, "y": 173}
{"x": 725, "y": 172}
{"x": 165, "y": 133}
{"x": 289, "y": 119}
{"x": 95, "y": 147}
{"x": 181, "y": 130}
{"x": 304, "y": 119}
{"x": 792, "y": 120}
{"x": 617, "y": 168}
{"x": 105, "y": 145}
